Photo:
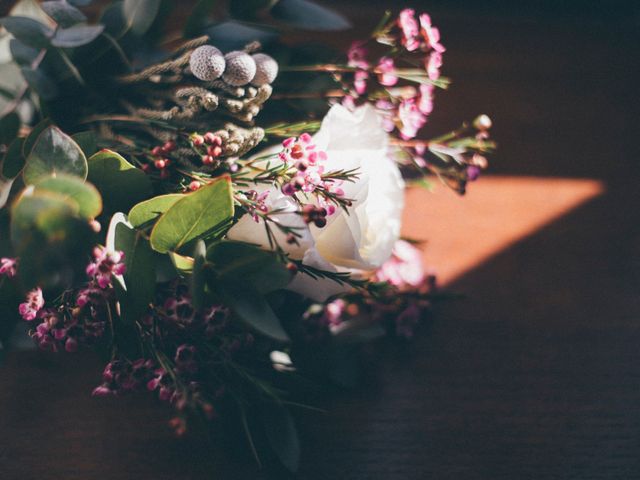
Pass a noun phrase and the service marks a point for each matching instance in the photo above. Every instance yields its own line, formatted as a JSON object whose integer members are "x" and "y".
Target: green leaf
{"x": 282, "y": 435}
{"x": 76, "y": 36}
{"x": 5, "y": 190}
{"x": 54, "y": 153}
{"x": 13, "y": 161}
{"x": 249, "y": 306}
{"x": 120, "y": 183}
{"x": 22, "y": 54}
{"x": 9, "y": 126}
{"x": 85, "y": 194}
{"x": 198, "y": 280}
{"x": 246, "y": 263}
{"x": 194, "y": 216}
{"x": 140, "y": 14}
{"x": 309, "y": 15}
{"x": 182, "y": 263}
{"x": 40, "y": 83}
{"x": 28, "y": 31}
{"x": 147, "y": 212}
{"x": 30, "y": 141}
{"x": 140, "y": 275}
{"x": 87, "y": 142}
{"x": 63, "y": 13}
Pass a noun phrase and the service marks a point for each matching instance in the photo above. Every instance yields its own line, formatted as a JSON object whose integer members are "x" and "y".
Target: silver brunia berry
{"x": 240, "y": 69}
{"x": 207, "y": 63}
{"x": 266, "y": 69}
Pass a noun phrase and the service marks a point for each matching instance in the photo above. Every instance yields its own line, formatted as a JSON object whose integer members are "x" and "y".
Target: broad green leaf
{"x": 85, "y": 194}
{"x": 309, "y": 15}
{"x": 22, "y": 54}
{"x": 282, "y": 435}
{"x": 87, "y": 142}
{"x": 198, "y": 280}
{"x": 140, "y": 275}
{"x": 234, "y": 35}
{"x": 40, "y": 83}
{"x": 30, "y": 141}
{"x": 54, "y": 153}
{"x": 9, "y": 126}
{"x": 76, "y": 36}
{"x": 194, "y": 216}
{"x": 63, "y": 13}
{"x": 144, "y": 213}
{"x": 243, "y": 262}
{"x": 140, "y": 14}
{"x": 5, "y": 190}
{"x": 120, "y": 183}
{"x": 13, "y": 161}
{"x": 28, "y": 31}
{"x": 182, "y": 263}
{"x": 250, "y": 306}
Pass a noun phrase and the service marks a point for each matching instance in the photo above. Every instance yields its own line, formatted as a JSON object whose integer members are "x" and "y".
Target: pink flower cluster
{"x": 420, "y": 34}
{"x": 58, "y": 331}
{"x": 408, "y": 111}
{"x": 8, "y": 267}
{"x": 122, "y": 376}
{"x": 303, "y": 155}
{"x": 404, "y": 269}
{"x": 32, "y": 305}
{"x": 105, "y": 265}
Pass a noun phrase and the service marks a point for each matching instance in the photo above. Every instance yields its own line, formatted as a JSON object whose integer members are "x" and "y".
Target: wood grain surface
{"x": 534, "y": 375}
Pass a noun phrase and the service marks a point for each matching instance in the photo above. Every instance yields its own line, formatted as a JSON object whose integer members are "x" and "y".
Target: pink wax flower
{"x": 404, "y": 269}
{"x": 360, "y": 81}
{"x": 8, "y": 266}
{"x": 33, "y": 304}
{"x": 432, "y": 64}
{"x": 411, "y": 117}
{"x": 425, "y": 100}
{"x": 410, "y": 29}
{"x": 387, "y": 70}
{"x": 105, "y": 264}
{"x": 430, "y": 34}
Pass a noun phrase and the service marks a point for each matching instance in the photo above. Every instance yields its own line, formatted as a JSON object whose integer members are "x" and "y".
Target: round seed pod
{"x": 207, "y": 63}
{"x": 240, "y": 69}
{"x": 266, "y": 69}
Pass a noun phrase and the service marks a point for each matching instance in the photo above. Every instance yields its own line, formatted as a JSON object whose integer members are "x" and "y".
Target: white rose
{"x": 360, "y": 241}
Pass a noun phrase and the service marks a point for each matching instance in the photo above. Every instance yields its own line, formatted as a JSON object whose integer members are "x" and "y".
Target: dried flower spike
{"x": 240, "y": 68}
{"x": 207, "y": 63}
{"x": 266, "y": 69}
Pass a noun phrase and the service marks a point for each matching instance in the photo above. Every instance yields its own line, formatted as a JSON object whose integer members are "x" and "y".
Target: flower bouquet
{"x": 173, "y": 201}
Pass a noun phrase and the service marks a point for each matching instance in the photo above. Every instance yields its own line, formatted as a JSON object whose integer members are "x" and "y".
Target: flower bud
{"x": 160, "y": 164}
{"x": 240, "y": 68}
{"x": 482, "y": 122}
{"x": 207, "y": 63}
{"x": 195, "y": 185}
{"x": 266, "y": 69}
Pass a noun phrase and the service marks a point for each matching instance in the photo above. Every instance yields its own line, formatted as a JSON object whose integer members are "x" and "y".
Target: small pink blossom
{"x": 410, "y": 29}
{"x": 33, "y": 304}
{"x": 430, "y": 34}
{"x": 105, "y": 265}
{"x": 404, "y": 269}
{"x": 387, "y": 70}
{"x": 8, "y": 266}
{"x": 360, "y": 81}
{"x": 425, "y": 100}
{"x": 411, "y": 117}
{"x": 432, "y": 64}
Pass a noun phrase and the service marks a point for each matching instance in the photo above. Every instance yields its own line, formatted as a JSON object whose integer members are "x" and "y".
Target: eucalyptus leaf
{"x": 76, "y": 36}
{"x": 140, "y": 274}
{"x": 80, "y": 3}
{"x": 22, "y": 54}
{"x": 40, "y": 83}
{"x": 30, "y": 141}
{"x": 28, "y": 31}
{"x": 87, "y": 142}
{"x": 233, "y": 35}
{"x": 5, "y": 190}
{"x": 140, "y": 14}
{"x": 194, "y": 216}
{"x": 54, "y": 153}
{"x": 147, "y": 212}
{"x": 9, "y": 126}
{"x": 63, "y": 13}
{"x": 249, "y": 264}
{"x": 13, "y": 161}
{"x": 250, "y": 306}
{"x": 309, "y": 15}
{"x": 282, "y": 435}
{"x": 121, "y": 184}
{"x": 85, "y": 194}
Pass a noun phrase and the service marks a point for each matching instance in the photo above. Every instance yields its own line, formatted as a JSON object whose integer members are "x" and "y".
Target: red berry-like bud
{"x": 212, "y": 139}
{"x": 169, "y": 146}
{"x": 214, "y": 151}
{"x": 208, "y": 160}
{"x": 292, "y": 267}
{"x": 197, "y": 140}
{"x": 195, "y": 185}
{"x": 156, "y": 151}
{"x": 145, "y": 168}
{"x": 160, "y": 164}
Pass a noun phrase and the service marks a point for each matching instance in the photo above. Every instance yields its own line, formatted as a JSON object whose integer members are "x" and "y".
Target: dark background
{"x": 535, "y": 374}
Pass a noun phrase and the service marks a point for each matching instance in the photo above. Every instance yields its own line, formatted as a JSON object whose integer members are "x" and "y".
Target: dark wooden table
{"x": 535, "y": 375}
